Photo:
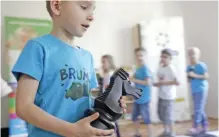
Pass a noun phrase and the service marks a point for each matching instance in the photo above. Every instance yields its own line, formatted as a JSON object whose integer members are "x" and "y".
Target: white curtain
{"x": 162, "y": 33}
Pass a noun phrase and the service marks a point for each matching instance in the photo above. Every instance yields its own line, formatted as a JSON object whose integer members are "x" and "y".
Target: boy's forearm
{"x": 197, "y": 76}
{"x": 167, "y": 83}
{"x": 201, "y": 76}
{"x": 141, "y": 82}
{"x": 36, "y": 116}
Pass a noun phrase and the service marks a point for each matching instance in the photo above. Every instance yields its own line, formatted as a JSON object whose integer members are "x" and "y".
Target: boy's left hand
{"x": 132, "y": 79}
{"x": 192, "y": 74}
{"x": 161, "y": 82}
{"x": 158, "y": 84}
{"x": 122, "y": 102}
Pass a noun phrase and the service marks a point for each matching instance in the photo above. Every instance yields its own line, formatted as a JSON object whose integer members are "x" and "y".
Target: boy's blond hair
{"x": 140, "y": 49}
{"x": 196, "y": 51}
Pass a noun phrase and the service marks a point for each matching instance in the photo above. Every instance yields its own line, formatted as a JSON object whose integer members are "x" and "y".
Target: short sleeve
{"x": 158, "y": 72}
{"x": 30, "y": 61}
{"x": 146, "y": 72}
{"x": 93, "y": 80}
{"x": 204, "y": 68}
{"x": 187, "y": 69}
{"x": 173, "y": 72}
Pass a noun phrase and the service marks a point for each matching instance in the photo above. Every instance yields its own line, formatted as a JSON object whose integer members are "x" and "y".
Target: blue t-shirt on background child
{"x": 66, "y": 76}
{"x": 142, "y": 73}
{"x": 198, "y": 85}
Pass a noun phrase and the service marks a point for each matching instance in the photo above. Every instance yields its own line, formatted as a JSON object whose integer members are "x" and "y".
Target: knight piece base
{"x": 101, "y": 122}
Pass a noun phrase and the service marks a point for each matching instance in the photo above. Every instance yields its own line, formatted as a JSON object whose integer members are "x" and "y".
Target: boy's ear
{"x": 55, "y": 7}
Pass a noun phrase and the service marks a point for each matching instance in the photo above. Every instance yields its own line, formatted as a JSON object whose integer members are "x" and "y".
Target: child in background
{"x": 198, "y": 74}
{"x": 55, "y": 76}
{"x": 141, "y": 79}
{"x": 167, "y": 81}
{"x": 108, "y": 68}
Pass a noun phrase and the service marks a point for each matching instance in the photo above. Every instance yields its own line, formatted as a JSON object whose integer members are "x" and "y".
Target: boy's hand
{"x": 158, "y": 84}
{"x": 83, "y": 128}
{"x": 131, "y": 78}
{"x": 192, "y": 74}
{"x": 122, "y": 102}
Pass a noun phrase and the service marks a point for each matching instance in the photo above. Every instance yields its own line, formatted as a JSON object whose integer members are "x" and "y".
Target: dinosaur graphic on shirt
{"x": 77, "y": 90}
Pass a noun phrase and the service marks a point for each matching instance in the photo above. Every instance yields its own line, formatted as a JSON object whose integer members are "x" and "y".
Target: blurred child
{"x": 142, "y": 79}
{"x": 167, "y": 81}
{"x": 108, "y": 68}
{"x": 5, "y": 88}
{"x": 198, "y": 74}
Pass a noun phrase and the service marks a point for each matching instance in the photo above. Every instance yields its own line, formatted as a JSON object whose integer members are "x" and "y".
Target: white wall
{"x": 174, "y": 27}
{"x": 111, "y": 31}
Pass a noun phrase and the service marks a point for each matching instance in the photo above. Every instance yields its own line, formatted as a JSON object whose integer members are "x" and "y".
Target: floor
{"x": 127, "y": 128}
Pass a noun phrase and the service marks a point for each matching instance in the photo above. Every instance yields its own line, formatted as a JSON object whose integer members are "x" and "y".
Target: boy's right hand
{"x": 157, "y": 84}
{"x": 83, "y": 128}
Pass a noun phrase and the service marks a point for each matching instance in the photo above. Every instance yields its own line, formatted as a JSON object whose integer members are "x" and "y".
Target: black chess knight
{"x": 107, "y": 104}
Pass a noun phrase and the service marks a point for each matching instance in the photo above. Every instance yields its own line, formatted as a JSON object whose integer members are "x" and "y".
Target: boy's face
{"x": 105, "y": 64}
{"x": 75, "y": 16}
{"x": 192, "y": 56}
{"x": 165, "y": 59}
{"x": 140, "y": 57}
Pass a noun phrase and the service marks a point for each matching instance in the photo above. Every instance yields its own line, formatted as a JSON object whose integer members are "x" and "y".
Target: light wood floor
{"x": 127, "y": 128}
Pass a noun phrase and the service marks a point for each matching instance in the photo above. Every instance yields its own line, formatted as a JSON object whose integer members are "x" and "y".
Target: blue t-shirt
{"x": 66, "y": 75}
{"x": 141, "y": 74}
{"x": 198, "y": 85}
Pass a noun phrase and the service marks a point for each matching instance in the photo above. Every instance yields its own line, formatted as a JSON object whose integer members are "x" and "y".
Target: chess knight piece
{"x": 107, "y": 104}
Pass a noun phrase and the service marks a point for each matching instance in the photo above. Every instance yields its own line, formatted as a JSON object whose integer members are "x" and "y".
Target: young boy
{"x": 167, "y": 81}
{"x": 198, "y": 74}
{"x": 142, "y": 78}
{"x": 55, "y": 77}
